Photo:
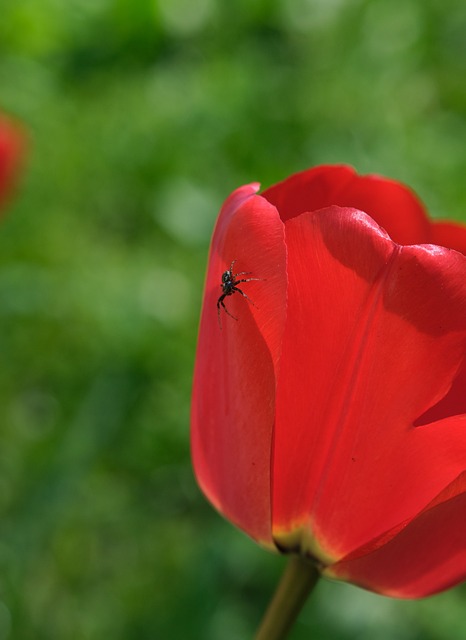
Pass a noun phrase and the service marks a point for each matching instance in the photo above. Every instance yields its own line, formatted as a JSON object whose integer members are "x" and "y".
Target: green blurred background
{"x": 142, "y": 116}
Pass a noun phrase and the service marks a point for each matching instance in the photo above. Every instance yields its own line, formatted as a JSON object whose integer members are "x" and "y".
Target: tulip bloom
{"x": 329, "y": 413}
{"x": 11, "y": 151}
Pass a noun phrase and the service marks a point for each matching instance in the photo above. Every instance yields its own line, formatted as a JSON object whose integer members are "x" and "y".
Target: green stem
{"x": 297, "y": 582}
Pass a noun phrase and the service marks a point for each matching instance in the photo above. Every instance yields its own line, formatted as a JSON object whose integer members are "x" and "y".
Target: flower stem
{"x": 296, "y": 583}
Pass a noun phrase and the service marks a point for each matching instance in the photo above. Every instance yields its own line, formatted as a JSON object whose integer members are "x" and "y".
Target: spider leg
{"x": 227, "y": 312}
{"x": 244, "y": 279}
{"x": 241, "y": 273}
{"x": 244, "y": 296}
{"x": 220, "y": 302}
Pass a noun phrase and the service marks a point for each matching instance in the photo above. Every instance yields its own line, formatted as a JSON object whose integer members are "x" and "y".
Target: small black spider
{"x": 229, "y": 286}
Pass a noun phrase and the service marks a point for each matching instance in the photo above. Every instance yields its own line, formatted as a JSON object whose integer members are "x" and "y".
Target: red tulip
{"x": 329, "y": 414}
{"x": 11, "y": 151}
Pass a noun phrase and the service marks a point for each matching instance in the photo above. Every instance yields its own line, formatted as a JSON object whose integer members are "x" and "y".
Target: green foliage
{"x": 142, "y": 116}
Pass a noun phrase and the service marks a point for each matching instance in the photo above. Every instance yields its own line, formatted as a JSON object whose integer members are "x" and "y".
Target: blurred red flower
{"x": 12, "y": 143}
{"x": 328, "y": 416}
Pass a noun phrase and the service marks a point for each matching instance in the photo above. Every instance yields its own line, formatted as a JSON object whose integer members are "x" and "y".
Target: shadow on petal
{"x": 452, "y": 404}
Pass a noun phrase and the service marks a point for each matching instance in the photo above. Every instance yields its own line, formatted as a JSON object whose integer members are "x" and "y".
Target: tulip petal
{"x": 375, "y": 336}
{"x": 310, "y": 190}
{"x": 391, "y": 204}
{"x": 449, "y": 234}
{"x": 428, "y": 555}
{"x": 452, "y": 404}
{"x": 11, "y": 150}
{"x": 237, "y": 362}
